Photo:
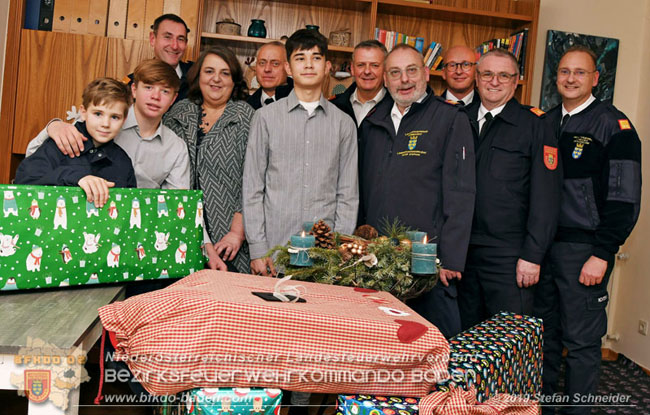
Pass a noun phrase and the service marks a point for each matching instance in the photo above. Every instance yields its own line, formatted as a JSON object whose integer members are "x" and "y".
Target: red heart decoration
{"x": 364, "y": 290}
{"x": 410, "y": 331}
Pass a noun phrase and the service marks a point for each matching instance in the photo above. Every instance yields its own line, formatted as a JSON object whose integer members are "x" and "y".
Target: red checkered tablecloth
{"x": 208, "y": 330}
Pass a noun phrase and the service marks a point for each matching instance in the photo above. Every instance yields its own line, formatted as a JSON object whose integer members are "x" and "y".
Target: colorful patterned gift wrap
{"x": 501, "y": 354}
{"x": 51, "y": 236}
{"x": 376, "y": 405}
{"x": 224, "y": 401}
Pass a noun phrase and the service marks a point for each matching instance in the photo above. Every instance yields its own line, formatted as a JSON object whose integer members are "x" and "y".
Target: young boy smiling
{"x": 102, "y": 163}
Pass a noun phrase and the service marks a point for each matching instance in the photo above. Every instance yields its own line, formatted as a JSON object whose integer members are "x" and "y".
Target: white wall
{"x": 628, "y": 21}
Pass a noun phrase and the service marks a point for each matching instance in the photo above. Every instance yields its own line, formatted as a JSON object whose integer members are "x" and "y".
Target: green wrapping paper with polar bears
{"x": 50, "y": 236}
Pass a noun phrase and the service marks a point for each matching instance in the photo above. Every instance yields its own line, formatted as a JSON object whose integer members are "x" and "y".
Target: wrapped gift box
{"x": 210, "y": 330}
{"x": 501, "y": 354}
{"x": 376, "y": 405}
{"x": 51, "y": 237}
{"x": 224, "y": 401}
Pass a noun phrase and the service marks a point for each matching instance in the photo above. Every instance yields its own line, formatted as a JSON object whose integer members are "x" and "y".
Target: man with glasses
{"x": 459, "y": 72}
{"x": 518, "y": 184}
{"x": 601, "y": 195}
{"x": 417, "y": 166}
{"x": 271, "y": 75}
{"x": 367, "y": 90}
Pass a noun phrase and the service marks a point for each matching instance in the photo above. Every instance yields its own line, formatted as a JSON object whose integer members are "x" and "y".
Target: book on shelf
{"x": 433, "y": 57}
{"x": 391, "y": 38}
{"x": 515, "y": 44}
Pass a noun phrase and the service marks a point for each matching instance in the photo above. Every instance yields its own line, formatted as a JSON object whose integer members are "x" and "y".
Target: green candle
{"x": 415, "y": 236}
{"x": 423, "y": 258}
{"x": 299, "y": 250}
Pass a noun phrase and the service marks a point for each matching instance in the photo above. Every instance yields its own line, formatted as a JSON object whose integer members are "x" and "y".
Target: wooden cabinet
{"x": 449, "y": 22}
{"x": 45, "y": 72}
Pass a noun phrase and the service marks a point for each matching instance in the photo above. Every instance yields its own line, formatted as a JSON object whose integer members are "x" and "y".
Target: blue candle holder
{"x": 299, "y": 250}
{"x": 423, "y": 258}
{"x": 415, "y": 236}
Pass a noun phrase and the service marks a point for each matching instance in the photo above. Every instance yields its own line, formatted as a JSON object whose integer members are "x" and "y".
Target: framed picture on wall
{"x": 606, "y": 49}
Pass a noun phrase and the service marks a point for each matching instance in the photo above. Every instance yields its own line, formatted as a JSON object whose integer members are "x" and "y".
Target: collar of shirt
{"x": 466, "y": 100}
{"x": 495, "y": 111}
{"x": 578, "y": 108}
{"x": 179, "y": 71}
{"x": 355, "y": 100}
{"x": 293, "y": 102}
{"x": 264, "y": 97}
{"x": 132, "y": 122}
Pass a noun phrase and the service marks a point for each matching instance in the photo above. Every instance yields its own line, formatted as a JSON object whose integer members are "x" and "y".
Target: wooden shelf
{"x": 260, "y": 40}
{"x": 452, "y": 14}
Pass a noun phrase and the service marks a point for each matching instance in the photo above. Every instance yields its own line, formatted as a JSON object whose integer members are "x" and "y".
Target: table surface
{"x": 61, "y": 317}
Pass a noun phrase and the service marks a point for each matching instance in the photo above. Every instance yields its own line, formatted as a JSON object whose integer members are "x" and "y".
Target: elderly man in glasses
{"x": 601, "y": 196}
{"x": 417, "y": 166}
{"x": 518, "y": 183}
{"x": 459, "y": 72}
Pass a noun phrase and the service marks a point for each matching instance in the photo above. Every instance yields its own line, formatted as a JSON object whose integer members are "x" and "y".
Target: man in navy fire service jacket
{"x": 417, "y": 166}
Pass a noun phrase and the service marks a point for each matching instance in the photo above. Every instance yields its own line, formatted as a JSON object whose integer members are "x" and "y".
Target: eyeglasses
{"x": 502, "y": 77}
{"x": 578, "y": 73}
{"x": 411, "y": 72}
{"x": 453, "y": 66}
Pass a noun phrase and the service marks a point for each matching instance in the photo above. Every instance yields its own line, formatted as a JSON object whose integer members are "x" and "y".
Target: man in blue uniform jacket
{"x": 518, "y": 185}
{"x": 417, "y": 166}
{"x": 601, "y": 157}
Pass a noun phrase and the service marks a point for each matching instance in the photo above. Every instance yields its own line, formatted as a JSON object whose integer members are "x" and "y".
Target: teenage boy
{"x": 301, "y": 160}
{"x": 301, "y": 163}
{"x": 102, "y": 163}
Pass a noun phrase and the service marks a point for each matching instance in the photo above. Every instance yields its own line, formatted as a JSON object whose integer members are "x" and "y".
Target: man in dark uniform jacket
{"x": 368, "y": 88}
{"x": 459, "y": 72}
{"x": 168, "y": 38}
{"x": 271, "y": 75}
{"x": 601, "y": 196}
{"x": 417, "y": 165}
{"x": 518, "y": 184}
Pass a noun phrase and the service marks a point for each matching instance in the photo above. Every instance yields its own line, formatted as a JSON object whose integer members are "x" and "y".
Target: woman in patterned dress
{"x": 214, "y": 121}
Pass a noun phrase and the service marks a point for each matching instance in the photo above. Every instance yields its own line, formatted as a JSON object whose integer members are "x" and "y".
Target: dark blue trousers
{"x": 440, "y": 307}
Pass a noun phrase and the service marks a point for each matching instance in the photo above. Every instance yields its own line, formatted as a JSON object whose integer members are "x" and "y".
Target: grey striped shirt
{"x": 298, "y": 168}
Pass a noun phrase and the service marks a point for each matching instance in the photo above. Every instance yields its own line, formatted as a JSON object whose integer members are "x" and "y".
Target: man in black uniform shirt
{"x": 417, "y": 165}
{"x": 518, "y": 184}
{"x": 168, "y": 38}
{"x": 601, "y": 158}
{"x": 459, "y": 73}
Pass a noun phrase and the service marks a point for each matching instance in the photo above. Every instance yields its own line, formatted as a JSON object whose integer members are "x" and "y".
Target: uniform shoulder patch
{"x": 451, "y": 102}
{"x": 550, "y": 157}
{"x": 126, "y": 80}
{"x": 624, "y": 124}
{"x": 537, "y": 111}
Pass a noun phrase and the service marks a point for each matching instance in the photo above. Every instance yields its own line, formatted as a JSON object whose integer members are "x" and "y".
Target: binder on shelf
{"x": 32, "y": 10}
{"x": 172, "y": 6}
{"x": 135, "y": 19}
{"x": 46, "y": 15}
{"x": 153, "y": 10}
{"x": 116, "y": 26}
{"x": 62, "y": 15}
{"x": 79, "y": 18}
{"x": 97, "y": 15}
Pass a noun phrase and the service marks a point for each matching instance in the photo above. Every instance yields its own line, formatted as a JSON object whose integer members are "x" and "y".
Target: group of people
{"x": 528, "y": 209}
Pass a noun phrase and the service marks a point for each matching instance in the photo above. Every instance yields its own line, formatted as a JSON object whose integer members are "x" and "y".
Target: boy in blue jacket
{"x": 102, "y": 163}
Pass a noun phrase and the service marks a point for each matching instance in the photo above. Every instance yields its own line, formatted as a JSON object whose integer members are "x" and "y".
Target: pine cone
{"x": 324, "y": 235}
{"x": 366, "y": 232}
